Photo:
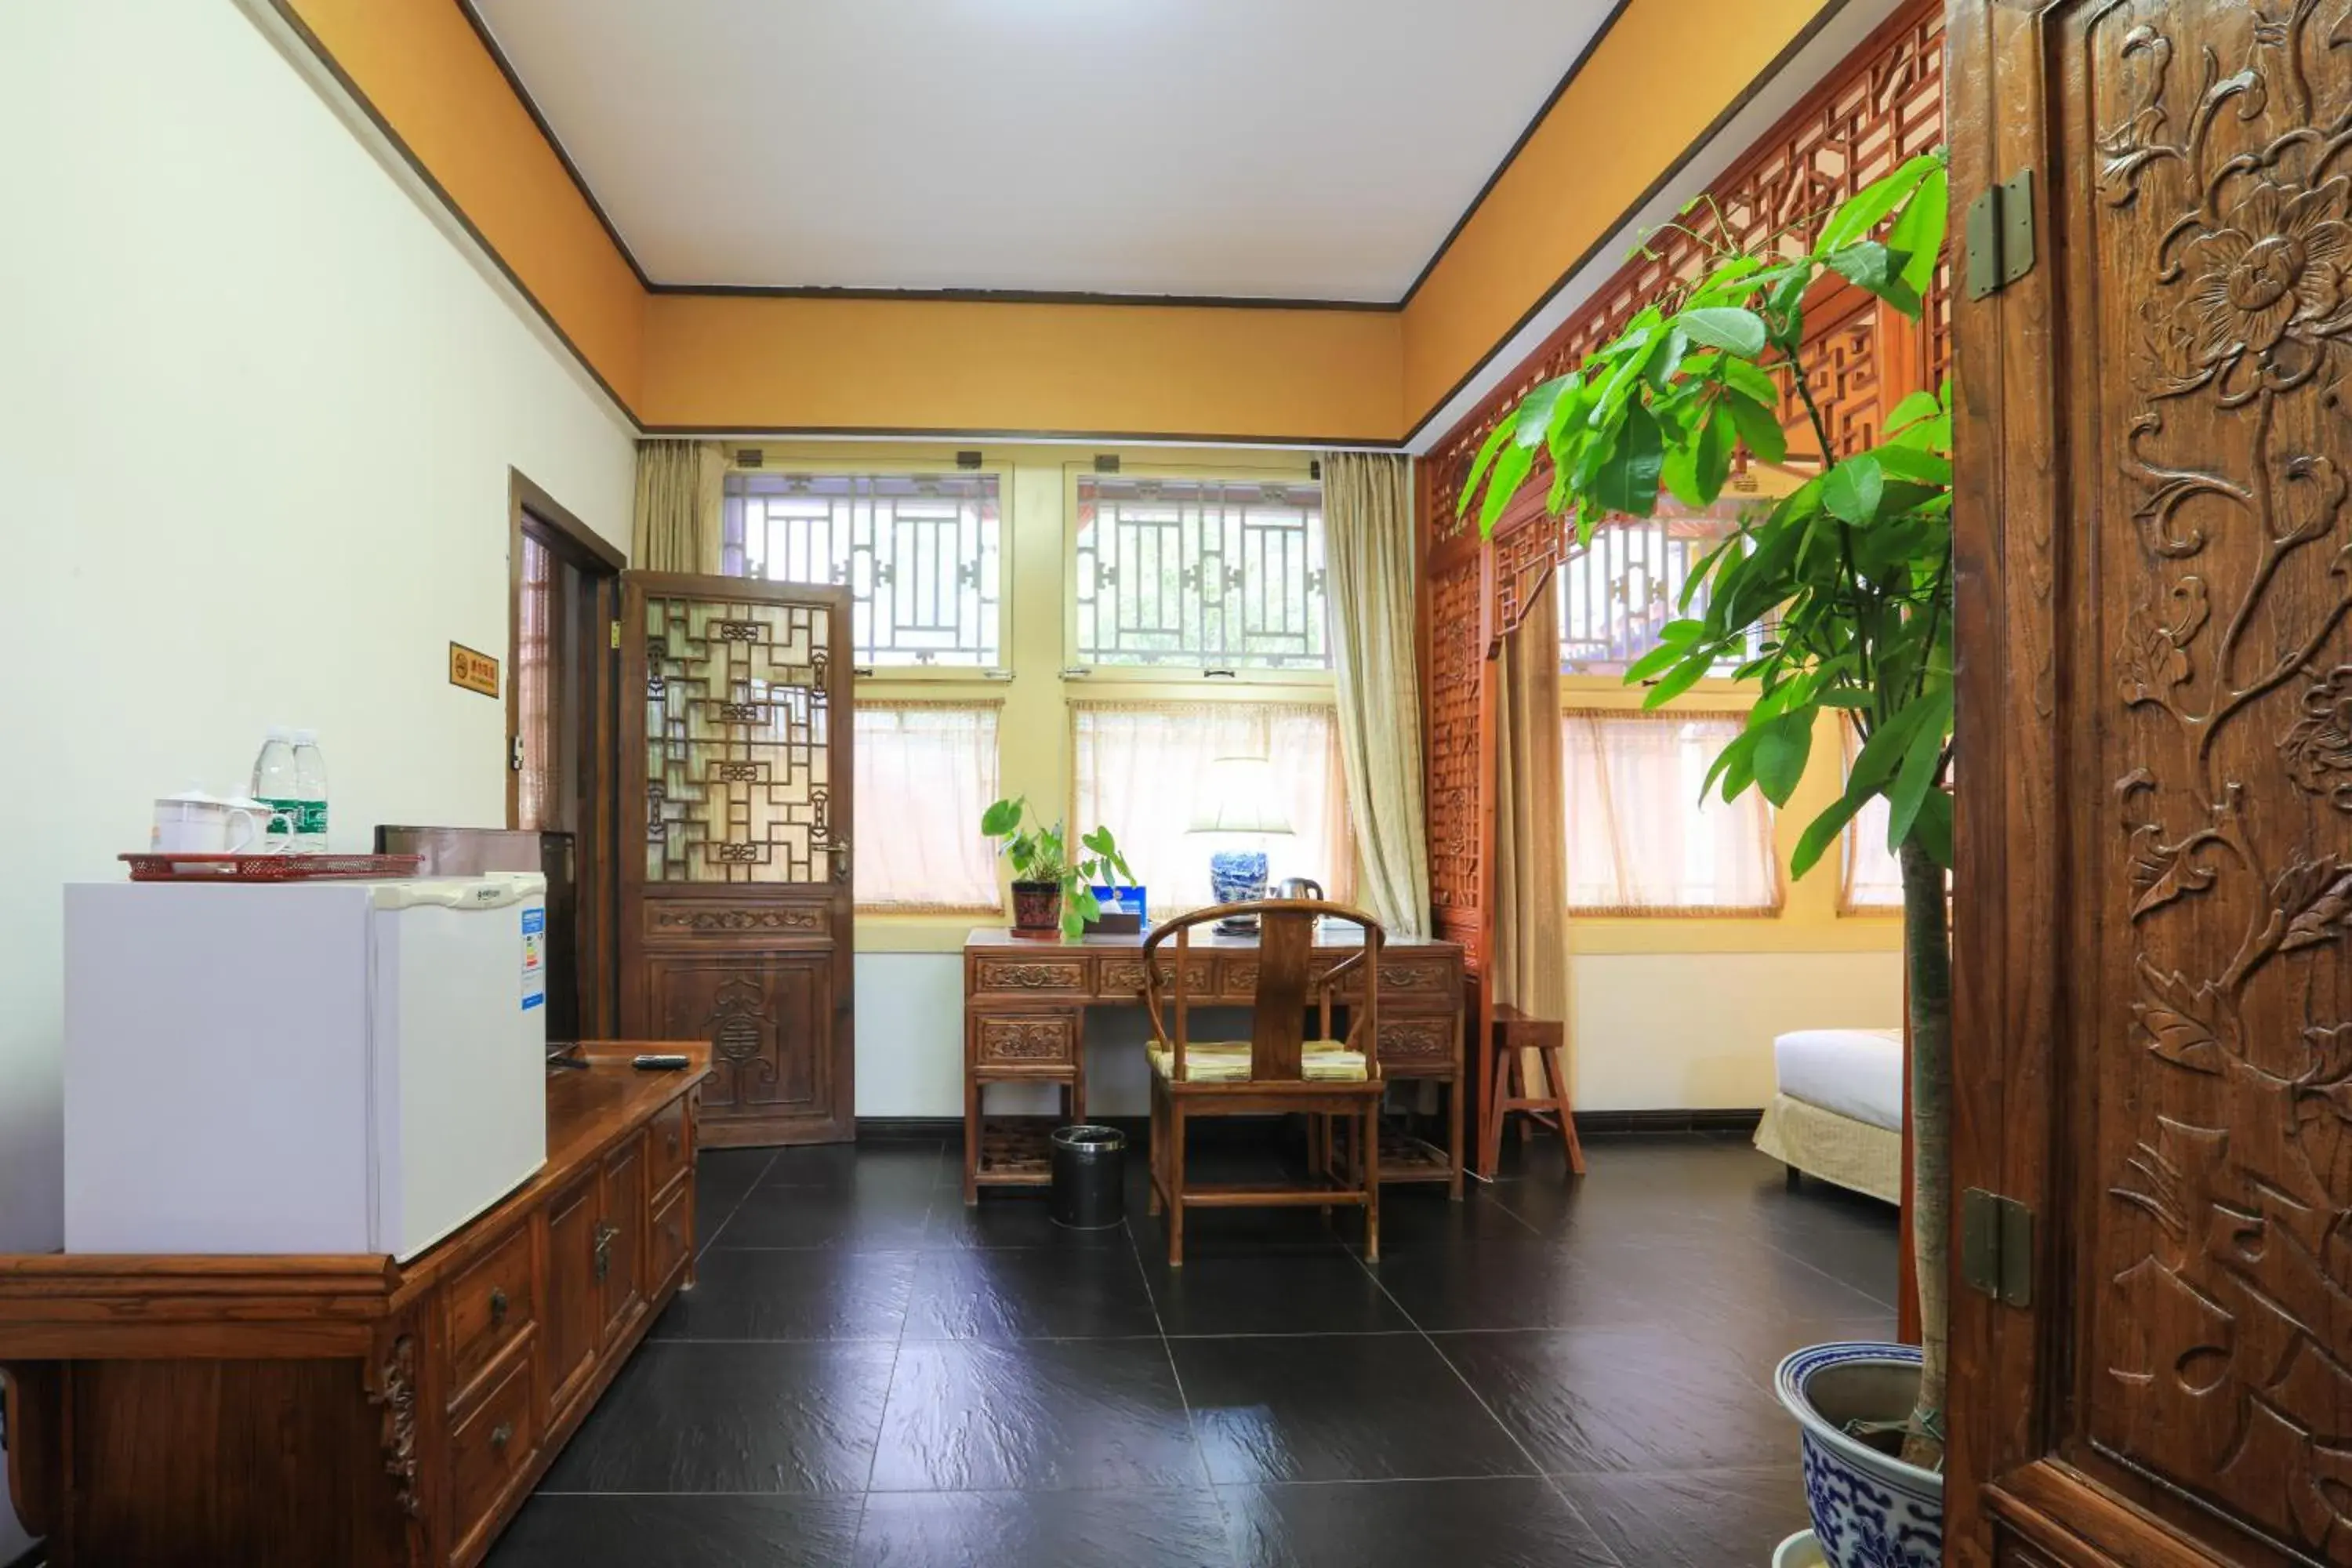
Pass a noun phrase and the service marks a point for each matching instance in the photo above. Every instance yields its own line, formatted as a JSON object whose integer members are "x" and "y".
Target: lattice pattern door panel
{"x": 739, "y": 743}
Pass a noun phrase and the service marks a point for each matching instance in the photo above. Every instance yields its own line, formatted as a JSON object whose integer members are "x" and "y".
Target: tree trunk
{"x": 1928, "y": 955}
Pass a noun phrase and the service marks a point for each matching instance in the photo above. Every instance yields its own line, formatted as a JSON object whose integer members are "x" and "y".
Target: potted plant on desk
{"x": 1050, "y": 890}
{"x": 1836, "y": 596}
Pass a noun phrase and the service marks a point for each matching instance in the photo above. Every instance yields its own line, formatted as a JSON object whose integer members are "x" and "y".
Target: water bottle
{"x": 310, "y": 792}
{"x": 274, "y": 787}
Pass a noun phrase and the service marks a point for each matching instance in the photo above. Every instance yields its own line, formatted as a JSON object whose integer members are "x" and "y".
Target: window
{"x": 1640, "y": 840}
{"x": 1617, "y": 591}
{"x": 1139, "y": 767}
{"x": 920, "y": 553}
{"x": 1871, "y": 881}
{"x": 1197, "y": 573}
{"x": 924, "y": 771}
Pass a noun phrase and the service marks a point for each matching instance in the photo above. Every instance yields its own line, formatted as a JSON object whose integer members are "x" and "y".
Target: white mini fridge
{"x": 328, "y": 1067}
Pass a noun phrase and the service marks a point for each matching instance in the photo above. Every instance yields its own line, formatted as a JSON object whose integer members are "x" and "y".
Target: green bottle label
{"x": 310, "y": 818}
{"x": 284, "y": 814}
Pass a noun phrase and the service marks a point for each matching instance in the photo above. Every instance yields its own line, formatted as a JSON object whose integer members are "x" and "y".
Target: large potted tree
{"x": 1836, "y": 596}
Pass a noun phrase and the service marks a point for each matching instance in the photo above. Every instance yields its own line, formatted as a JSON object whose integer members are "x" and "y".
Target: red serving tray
{"x": 267, "y": 868}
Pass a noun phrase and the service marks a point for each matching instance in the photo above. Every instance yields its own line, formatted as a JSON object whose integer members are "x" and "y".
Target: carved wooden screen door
{"x": 735, "y": 889}
{"x": 2153, "y": 1043}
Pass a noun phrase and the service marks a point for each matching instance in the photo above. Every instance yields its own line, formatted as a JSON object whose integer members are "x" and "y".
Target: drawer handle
{"x": 501, "y": 1434}
{"x": 498, "y": 1306}
{"x": 605, "y": 1232}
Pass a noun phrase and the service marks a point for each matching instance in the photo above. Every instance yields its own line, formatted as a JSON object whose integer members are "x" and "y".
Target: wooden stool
{"x": 1516, "y": 1036}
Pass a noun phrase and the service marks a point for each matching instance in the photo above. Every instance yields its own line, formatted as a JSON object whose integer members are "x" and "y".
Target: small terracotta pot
{"x": 1037, "y": 907}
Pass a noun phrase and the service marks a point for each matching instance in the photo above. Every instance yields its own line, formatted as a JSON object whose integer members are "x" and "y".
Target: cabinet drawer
{"x": 1032, "y": 977}
{"x": 490, "y": 1449}
{"x": 666, "y": 1149}
{"x": 1411, "y": 1042}
{"x": 1046, "y": 1039}
{"x": 490, "y": 1306}
{"x": 1121, "y": 979}
{"x": 1419, "y": 978}
{"x": 673, "y": 1225}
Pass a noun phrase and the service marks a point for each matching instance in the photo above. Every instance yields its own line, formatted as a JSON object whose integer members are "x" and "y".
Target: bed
{"x": 1838, "y": 1111}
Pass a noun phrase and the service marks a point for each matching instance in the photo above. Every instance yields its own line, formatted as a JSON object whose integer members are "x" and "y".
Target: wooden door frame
{"x": 841, "y": 817}
{"x": 599, "y": 892}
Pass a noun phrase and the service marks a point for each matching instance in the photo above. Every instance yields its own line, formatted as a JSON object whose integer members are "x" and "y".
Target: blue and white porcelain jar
{"x": 1870, "y": 1510}
{"x": 1237, "y": 876}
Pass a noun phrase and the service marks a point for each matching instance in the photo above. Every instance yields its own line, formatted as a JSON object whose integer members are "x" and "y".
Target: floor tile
{"x": 1012, "y": 1219}
{"x": 640, "y": 1532}
{"x": 1035, "y": 1415}
{"x": 884, "y": 1220}
{"x": 1702, "y": 1518}
{"x": 802, "y": 1294}
{"x": 1623, "y": 1399}
{"x": 1500, "y": 1523}
{"x": 1528, "y": 1284}
{"x": 1042, "y": 1530}
{"x": 1335, "y": 1408}
{"x": 1319, "y": 1293}
{"x": 721, "y": 1177}
{"x": 686, "y": 1417}
{"x": 873, "y": 1166}
{"x": 1030, "y": 1293}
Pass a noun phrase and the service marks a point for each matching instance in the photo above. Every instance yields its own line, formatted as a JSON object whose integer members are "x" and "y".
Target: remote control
{"x": 659, "y": 1061}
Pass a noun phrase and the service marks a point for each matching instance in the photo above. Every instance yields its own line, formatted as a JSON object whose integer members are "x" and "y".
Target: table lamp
{"x": 1241, "y": 798}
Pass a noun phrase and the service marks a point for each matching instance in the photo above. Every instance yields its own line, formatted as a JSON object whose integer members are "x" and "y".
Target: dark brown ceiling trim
{"x": 326, "y": 58}
{"x": 1575, "y": 70}
{"x": 1019, "y": 297}
{"x": 554, "y": 142}
{"x": 1698, "y": 144}
{"x": 929, "y": 432}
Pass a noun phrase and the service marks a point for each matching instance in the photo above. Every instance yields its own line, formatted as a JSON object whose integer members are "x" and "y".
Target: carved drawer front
{"x": 665, "y": 1150}
{"x": 1417, "y": 1042}
{"x": 1416, "y": 977}
{"x": 1237, "y": 978}
{"x": 1035, "y": 1040}
{"x": 490, "y": 1449}
{"x": 1033, "y": 976}
{"x": 705, "y": 922}
{"x": 490, "y": 1306}
{"x": 670, "y": 1227}
{"x": 1121, "y": 979}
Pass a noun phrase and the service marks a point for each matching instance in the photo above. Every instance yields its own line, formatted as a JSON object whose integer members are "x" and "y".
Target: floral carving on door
{"x": 2224, "y": 1100}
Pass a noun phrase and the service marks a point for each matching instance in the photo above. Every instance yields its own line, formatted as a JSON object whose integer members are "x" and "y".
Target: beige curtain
{"x": 1530, "y": 965}
{"x": 1138, "y": 767}
{"x": 1368, "y": 542}
{"x": 679, "y": 488}
{"x": 926, "y": 772}
{"x": 1641, "y": 841}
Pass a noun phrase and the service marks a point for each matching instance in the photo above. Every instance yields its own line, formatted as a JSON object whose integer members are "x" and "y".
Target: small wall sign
{"x": 474, "y": 672}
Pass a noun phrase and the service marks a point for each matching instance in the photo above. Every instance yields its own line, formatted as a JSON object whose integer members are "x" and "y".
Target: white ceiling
{"x": 1303, "y": 149}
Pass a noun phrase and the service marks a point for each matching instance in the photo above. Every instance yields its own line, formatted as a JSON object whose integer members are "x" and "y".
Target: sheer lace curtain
{"x": 1872, "y": 880}
{"x": 1138, "y": 767}
{"x": 1640, "y": 842}
{"x": 925, "y": 772}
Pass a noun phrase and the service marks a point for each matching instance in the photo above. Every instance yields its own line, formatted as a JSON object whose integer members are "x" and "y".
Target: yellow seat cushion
{"x": 1228, "y": 1061}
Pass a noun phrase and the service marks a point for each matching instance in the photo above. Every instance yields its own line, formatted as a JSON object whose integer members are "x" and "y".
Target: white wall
{"x": 256, "y": 413}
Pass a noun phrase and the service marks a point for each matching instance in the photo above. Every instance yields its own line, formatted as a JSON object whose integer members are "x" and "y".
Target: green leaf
{"x": 1753, "y": 380}
{"x": 1760, "y": 428}
{"x": 1666, "y": 357}
{"x": 1728, "y": 328}
{"x": 1910, "y": 463}
{"x": 1735, "y": 760}
{"x": 1532, "y": 417}
{"x": 1684, "y": 675}
{"x": 1510, "y": 470}
{"x": 1495, "y": 440}
{"x": 1918, "y": 405}
{"x": 1823, "y": 831}
{"x": 1002, "y": 817}
{"x": 1852, "y": 490}
{"x": 1629, "y": 477}
{"x": 1863, "y": 211}
{"x": 1918, "y": 775}
{"x": 1874, "y": 763}
{"x": 1680, "y": 472}
{"x": 1781, "y": 753}
{"x": 1919, "y": 231}
{"x": 1872, "y": 266}
{"x": 1714, "y": 452}
{"x": 1934, "y": 828}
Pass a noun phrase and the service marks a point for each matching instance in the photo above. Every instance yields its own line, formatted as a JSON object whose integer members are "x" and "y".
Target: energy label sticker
{"x": 534, "y": 958}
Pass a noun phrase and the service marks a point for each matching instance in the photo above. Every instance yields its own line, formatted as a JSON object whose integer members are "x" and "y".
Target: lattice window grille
{"x": 1618, "y": 590}
{"x": 1202, "y": 574}
{"x": 920, "y": 553}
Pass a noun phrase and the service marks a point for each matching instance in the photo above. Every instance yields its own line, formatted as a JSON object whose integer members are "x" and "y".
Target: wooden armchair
{"x": 1277, "y": 1070}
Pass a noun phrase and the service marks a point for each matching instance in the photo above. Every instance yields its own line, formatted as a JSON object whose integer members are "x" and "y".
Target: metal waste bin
{"x": 1090, "y": 1189}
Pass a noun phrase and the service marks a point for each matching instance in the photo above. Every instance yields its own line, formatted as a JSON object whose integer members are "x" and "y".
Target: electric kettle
{"x": 1300, "y": 888}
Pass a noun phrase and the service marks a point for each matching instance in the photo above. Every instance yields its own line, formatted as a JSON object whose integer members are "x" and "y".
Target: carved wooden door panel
{"x": 2153, "y": 1043}
{"x": 736, "y": 904}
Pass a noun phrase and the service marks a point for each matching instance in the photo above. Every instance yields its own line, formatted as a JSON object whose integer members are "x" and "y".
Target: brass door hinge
{"x": 2000, "y": 237}
{"x": 1997, "y": 1246}
{"x": 617, "y": 634}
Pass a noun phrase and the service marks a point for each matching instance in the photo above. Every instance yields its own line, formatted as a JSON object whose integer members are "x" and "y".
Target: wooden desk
{"x": 1025, "y": 1007}
{"x": 298, "y": 1410}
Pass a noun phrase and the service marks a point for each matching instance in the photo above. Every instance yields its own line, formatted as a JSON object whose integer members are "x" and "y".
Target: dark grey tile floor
{"x": 1557, "y": 1371}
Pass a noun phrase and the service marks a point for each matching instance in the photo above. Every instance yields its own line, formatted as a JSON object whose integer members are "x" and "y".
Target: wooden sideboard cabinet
{"x": 186, "y": 1411}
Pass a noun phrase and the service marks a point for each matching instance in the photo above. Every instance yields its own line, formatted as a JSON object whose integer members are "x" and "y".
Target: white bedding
{"x": 1856, "y": 1073}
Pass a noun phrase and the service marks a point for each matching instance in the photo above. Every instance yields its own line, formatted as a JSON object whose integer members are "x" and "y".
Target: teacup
{"x": 194, "y": 823}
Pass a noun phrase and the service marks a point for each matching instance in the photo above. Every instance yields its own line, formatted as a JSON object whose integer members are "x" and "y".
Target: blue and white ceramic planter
{"x": 1870, "y": 1510}
{"x": 1237, "y": 876}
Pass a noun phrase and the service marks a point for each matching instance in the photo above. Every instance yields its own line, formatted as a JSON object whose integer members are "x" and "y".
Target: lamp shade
{"x": 1241, "y": 795}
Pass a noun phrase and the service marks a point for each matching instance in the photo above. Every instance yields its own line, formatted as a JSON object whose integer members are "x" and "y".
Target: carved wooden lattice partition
{"x": 1883, "y": 105}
